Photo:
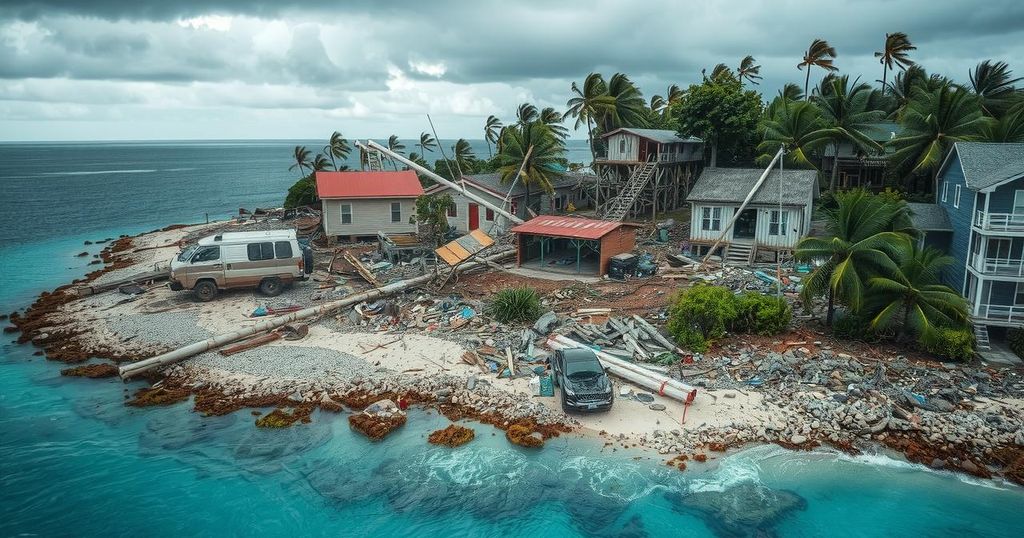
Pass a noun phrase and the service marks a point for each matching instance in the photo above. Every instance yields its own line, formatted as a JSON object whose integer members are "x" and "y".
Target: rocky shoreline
{"x": 965, "y": 418}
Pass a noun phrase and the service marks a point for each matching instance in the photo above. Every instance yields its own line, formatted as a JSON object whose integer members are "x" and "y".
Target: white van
{"x": 265, "y": 260}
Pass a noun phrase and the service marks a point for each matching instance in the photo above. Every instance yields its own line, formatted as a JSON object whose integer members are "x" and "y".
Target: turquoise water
{"x": 75, "y": 461}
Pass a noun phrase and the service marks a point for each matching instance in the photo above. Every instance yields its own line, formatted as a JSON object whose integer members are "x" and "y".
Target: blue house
{"x": 981, "y": 187}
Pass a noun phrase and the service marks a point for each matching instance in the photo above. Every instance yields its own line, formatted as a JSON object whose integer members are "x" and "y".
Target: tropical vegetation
{"x": 702, "y": 314}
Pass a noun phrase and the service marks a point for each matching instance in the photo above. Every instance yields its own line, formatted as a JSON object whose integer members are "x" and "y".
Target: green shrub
{"x": 515, "y": 305}
{"x": 954, "y": 344}
{"x": 303, "y": 192}
{"x": 850, "y": 326}
{"x": 757, "y": 313}
{"x": 1015, "y": 337}
{"x": 700, "y": 315}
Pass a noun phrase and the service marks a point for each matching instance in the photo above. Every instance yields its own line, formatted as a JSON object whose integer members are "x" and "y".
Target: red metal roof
{"x": 384, "y": 184}
{"x": 576, "y": 228}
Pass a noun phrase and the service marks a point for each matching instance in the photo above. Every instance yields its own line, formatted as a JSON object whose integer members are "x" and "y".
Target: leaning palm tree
{"x": 749, "y": 70}
{"x": 673, "y": 95}
{"x": 491, "y": 129}
{"x": 658, "y": 104}
{"x": 526, "y": 113}
{"x": 320, "y": 163}
{"x": 799, "y": 127}
{"x": 902, "y": 87}
{"x": 862, "y": 233}
{"x": 339, "y": 148}
{"x": 993, "y": 82}
{"x": 462, "y": 153}
{"x": 912, "y": 299}
{"x": 588, "y": 105}
{"x": 426, "y": 143}
{"x": 395, "y": 145}
{"x": 553, "y": 119}
{"x": 894, "y": 54}
{"x": 626, "y": 106}
{"x": 847, "y": 111}
{"x": 932, "y": 122}
{"x": 819, "y": 54}
{"x": 718, "y": 71}
{"x": 301, "y": 158}
{"x": 1009, "y": 128}
{"x": 541, "y": 168}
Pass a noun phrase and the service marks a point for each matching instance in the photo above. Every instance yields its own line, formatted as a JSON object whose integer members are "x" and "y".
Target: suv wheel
{"x": 205, "y": 290}
{"x": 271, "y": 286}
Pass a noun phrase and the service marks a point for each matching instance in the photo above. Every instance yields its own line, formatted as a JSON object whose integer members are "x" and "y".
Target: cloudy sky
{"x": 183, "y": 69}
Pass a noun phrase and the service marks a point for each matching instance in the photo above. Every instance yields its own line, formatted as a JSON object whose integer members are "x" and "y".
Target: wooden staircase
{"x": 981, "y": 337}
{"x": 739, "y": 254}
{"x": 621, "y": 204}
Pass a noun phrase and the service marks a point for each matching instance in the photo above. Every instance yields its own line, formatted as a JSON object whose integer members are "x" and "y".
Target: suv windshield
{"x": 187, "y": 253}
{"x": 582, "y": 366}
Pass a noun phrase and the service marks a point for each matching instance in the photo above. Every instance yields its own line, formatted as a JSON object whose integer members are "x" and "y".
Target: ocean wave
{"x": 880, "y": 460}
{"x": 98, "y": 172}
{"x": 610, "y": 479}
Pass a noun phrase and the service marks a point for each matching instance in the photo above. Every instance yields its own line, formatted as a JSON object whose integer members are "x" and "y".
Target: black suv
{"x": 584, "y": 383}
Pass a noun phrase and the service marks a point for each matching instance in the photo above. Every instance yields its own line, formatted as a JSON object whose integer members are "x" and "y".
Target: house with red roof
{"x": 363, "y": 203}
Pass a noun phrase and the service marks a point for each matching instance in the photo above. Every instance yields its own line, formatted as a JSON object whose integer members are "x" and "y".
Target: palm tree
{"x": 673, "y": 95}
{"x": 301, "y": 158}
{"x": 658, "y": 104}
{"x": 542, "y": 167}
{"x": 426, "y": 143}
{"x": 553, "y": 119}
{"x": 992, "y": 82}
{"x": 1009, "y": 128}
{"x": 320, "y": 163}
{"x": 749, "y": 70}
{"x": 819, "y": 54}
{"x": 902, "y": 87}
{"x": 337, "y": 147}
{"x": 589, "y": 105}
{"x": 395, "y": 145}
{"x": 932, "y": 122}
{"x": 847, "y": 112}
{"x": 799, "y": 127}
{"x": 491, "y": 129}
{"x": 626, "y": 106}
{"x": 462, "y": 152}
{"x": 863, "y": 231}
{"x": 526, "y": 113}
{"x": 913, "y": 298}
{"x": 718, "y": 71}
{"x": 894, "y": 54}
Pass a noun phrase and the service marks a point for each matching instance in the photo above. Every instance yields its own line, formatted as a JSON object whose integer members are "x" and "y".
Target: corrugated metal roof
{"x": 661, "y": 136}
{"x": 462, "y": 248}
{"x": 572, "y": 227}
{"x": 383, "y": 184}
{"x": 929, "y": 217}
{"x": 731, "y": 185}
{"x": 990, "y": 163}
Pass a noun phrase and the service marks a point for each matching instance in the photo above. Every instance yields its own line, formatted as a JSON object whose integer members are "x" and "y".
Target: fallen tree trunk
{"x": 134, "y": 369}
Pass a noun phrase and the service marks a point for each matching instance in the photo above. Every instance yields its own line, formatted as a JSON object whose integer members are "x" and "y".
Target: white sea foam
{"x": 98, "y": 172}
{"x": 735, "y": 469}
{"x": 608, "y": 478}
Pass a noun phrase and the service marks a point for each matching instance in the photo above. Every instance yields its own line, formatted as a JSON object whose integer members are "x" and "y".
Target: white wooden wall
{"x": 632, "y": 149}
{"x": 796, "y": 227}
{"x": 369, "y": 216}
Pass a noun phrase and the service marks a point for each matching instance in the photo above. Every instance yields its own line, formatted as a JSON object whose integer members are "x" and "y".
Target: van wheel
{"x": 205, "y": 290}
{"x": 271, "y": 287}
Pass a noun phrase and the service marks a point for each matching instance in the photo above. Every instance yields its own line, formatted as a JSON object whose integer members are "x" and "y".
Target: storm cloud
{"x": 276, "y": 69}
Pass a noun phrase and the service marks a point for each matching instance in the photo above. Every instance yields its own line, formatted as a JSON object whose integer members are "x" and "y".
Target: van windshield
{"x": 187, "y": 253}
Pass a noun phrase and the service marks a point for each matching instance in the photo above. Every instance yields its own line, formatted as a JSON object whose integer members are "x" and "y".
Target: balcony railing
{"x": 999, "y": 222}
{"x": 665, "y": 157}
{"x": 1000, "y": 313}
{"x": 998, "y": 266}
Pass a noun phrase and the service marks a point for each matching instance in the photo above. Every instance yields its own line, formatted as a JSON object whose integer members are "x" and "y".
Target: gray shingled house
{"x": 776, "y": 218}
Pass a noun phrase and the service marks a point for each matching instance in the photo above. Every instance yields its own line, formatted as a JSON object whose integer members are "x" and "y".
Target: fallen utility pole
{"x": 653, "y": 381}
{"x": 134, "y": 369}
{"x": 370, "y": 144}
{"x": 739, "y": 211}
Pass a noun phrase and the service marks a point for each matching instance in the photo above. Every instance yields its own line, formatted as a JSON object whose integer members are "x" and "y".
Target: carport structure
{"x": 570, "y": 244}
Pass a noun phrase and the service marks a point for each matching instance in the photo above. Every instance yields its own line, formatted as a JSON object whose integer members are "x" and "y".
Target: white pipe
{"x": 134, "y": 369}
{"x": 462, "y": 189}
{"x": 653, "y": 381}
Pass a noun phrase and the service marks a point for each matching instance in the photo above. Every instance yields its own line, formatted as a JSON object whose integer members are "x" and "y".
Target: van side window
{"x": 207, "y": 254}
{"x": 260, "y": 251}
{"x": 283, "y": 249}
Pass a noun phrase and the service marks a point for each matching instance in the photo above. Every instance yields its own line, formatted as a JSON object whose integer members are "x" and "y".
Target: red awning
{"x": 576, "y": 228}
{"x": 401, "y": 184}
